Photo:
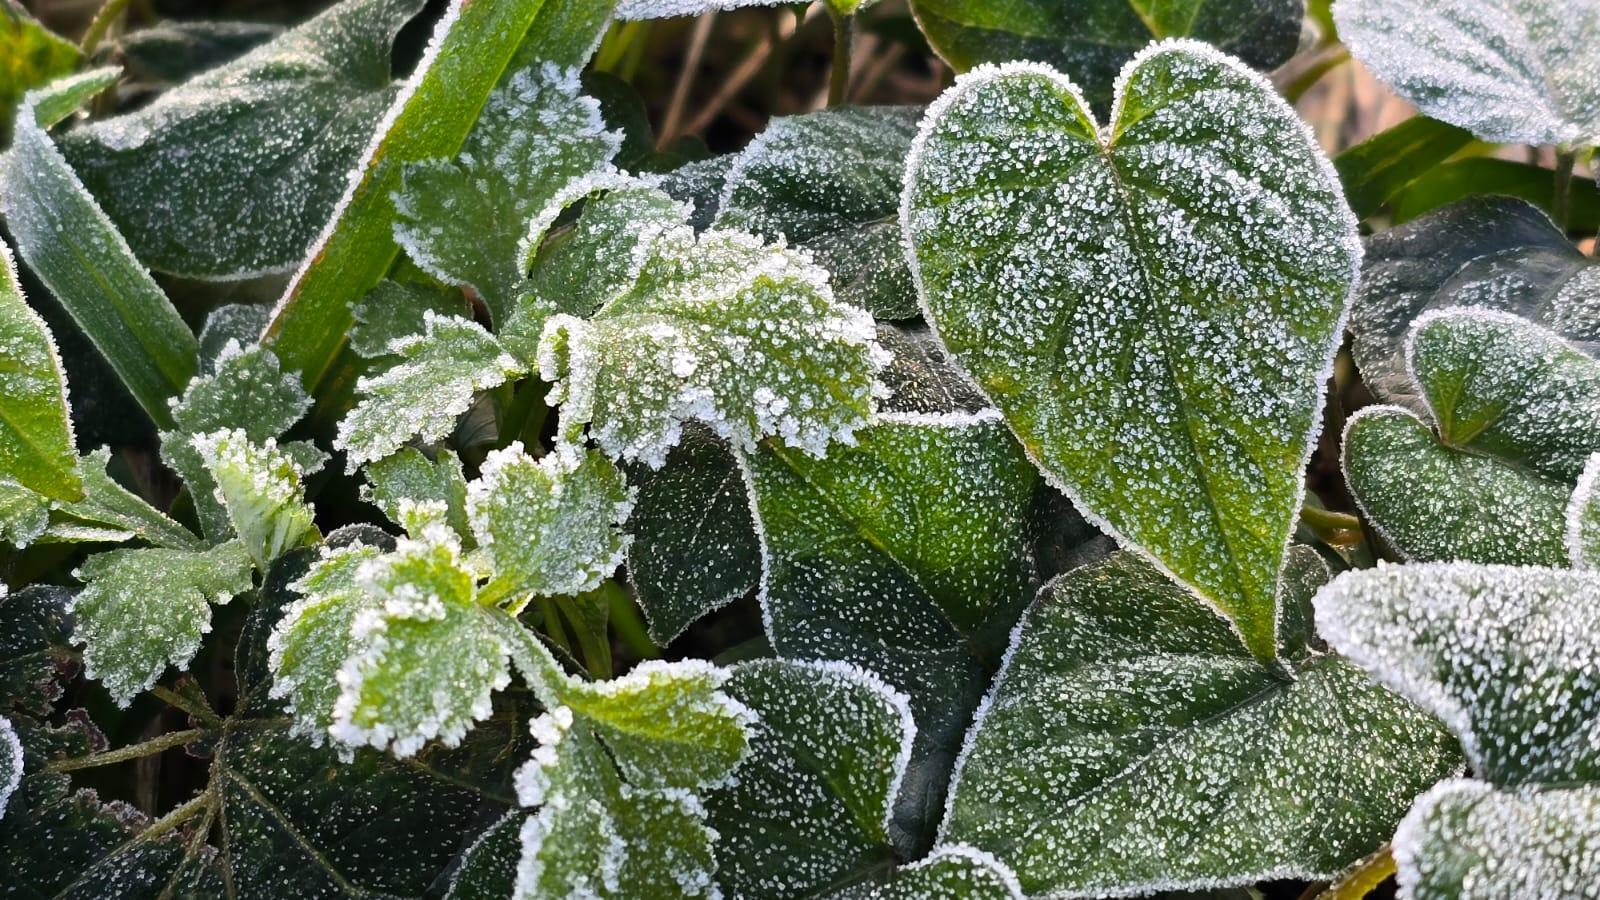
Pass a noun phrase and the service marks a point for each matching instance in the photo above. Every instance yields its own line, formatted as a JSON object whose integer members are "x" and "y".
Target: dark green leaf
{"x": 35, "y": 658}
{"x": 1376, "y": 169}
{"x": 177, "y": 51}
{"x": 1478, "y": 176}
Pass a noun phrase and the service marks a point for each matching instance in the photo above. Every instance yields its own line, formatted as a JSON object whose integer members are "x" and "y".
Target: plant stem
{"x": 190, "y": 705}
{"x": 1363, "y": 879}
{"x": 680, "y": 91}
{"x": 844, "y": 32}
{"x": 1330, "y": 59}
{"x": 101, "y": 24}
{"x": 1561, "y": 202}
{"x": 123, "y": 754}
{"x": 1336, "y": 528}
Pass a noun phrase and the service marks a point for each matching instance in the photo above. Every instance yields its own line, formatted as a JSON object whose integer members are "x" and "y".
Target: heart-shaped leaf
{"x": 1091, "y": 40}
{"x": 36, "y": 445}
{"x": 1583, "y": 518}
{"x": 1129, "y": 731}
{"x": 1465, "y": 840}
{"x": 1153, "y": 306}
{"x": 1517, "y": 72}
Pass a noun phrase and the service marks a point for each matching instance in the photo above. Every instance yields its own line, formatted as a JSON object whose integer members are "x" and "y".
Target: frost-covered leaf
{"x": 395, "y": 309}
{"x": 921, "y": 378}
{"x": 175, "y": 51}
{"x": 35, "y": 656}
{"x": 663, "y": 9}
{"x": 411, "y": 475}
{"x": 1091, "y": 40}
{"x": 720, "y": 328}
{"x": 1430, "y": 501}
{"x": 232, "y": 173}
{"x": 425, "y": 656}
{"x": 259, "y": 486}
{"x": 1583, "y": 519}
{"x": 1131, "y": 744}
{"x": 236, "y": 325}
{"x": 693, "y": 547}
{"x": 1465, "y": 840}
{"x": 489, "y": 867}
{"x": 1510, "y": 71}
{"x": 1500, "y": 385}
{"x": 810, "y": 807}
{"x": 10, "y": 762}
{"x": 1154, "y": 308}
{"x": 70, "y": 244}
{"x": 698, "y": 183}
{"x": 247, "y": 391}
{"x": 110, "y": 509}
{"x": 954, "y": 872}
{"x": 471, "y": 221}
{"x": 143, "y": 610}
{"x": 1490, "y": 252}
{"x": 830, "y": 182}
{"x": 906, "y": 555}
{"x": 30, "y": 56}
{"x": 548, "y": 527}
{"x": 428, "y": 387}
{"x": 24, "y": 515}
{"x": 36, "y": 445}
{"x": 1505, "y": 655}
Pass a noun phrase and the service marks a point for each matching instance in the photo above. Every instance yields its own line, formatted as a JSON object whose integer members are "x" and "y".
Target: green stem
{"x": 1335, "y": 528}
{"x": 552, "y": 623}
{"x": 1561, "y": 202}
{"x": 1363, "y": 879}
{"x": 193, "y": 706}
{"x": 101, "y": 24}
{"x": 844, "y": 31}
{"x": 122, "y": 754}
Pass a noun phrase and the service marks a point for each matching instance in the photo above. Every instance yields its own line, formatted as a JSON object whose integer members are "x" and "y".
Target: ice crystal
{"x": 24, "y": 515}
{"x": 259, "y": 486}
{"x": 1153, "y": 306}
{"x": 1583, "y": 518}
{"x": 228, "y": 330}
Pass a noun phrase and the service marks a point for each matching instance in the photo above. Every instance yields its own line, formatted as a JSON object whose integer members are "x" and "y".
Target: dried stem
{"x": 123, "y": 754}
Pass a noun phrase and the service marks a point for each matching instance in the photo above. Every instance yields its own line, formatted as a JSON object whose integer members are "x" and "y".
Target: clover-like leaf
{"x": 426, "y": 389}
{"x": 829, "y": 182}
{"x": 906, "y": 555}
{"x": 143, "y": 610}
{"x": 36, "y": 444}
{"x": 109, "y": 511}
{"x": 233, "y": 173}
{"x": 1516, "y": 72}
{"x": 720, "y": 328}
{"x": 395, "y": 310}
{"x": 470, "y": 222}
{"x": 952, "y": 872}
{"x": 1153, "y": 306}
{"x": 1091, "y": 40}
{"x": 1129, "y": 729}
{"x": 1466, "y": 840}
{"x": 1583, "y": 518}
{"x": 551, "y": 526}
{"x": 259, "y": 486}
{"x": 1489, "y": 252}
{"x": 1505, "y": 655}
{"x": 409, "y": 475}
{"x": 811, "y": 806}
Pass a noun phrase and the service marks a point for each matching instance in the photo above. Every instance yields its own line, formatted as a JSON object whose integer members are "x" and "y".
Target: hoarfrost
{"x": 259, "y": 486}
{"x": 10, "y": 763}
{"x": 1583, "y": 519}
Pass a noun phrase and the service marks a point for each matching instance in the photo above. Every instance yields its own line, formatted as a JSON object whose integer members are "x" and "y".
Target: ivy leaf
{"x": 110, "y": 511}
{"x": 719, "y": 328}
{"x": 921, "y": 378}
{"x": 1203, "y": 217}
{"x": 471, "y": 222}
{"x": 548, "y": 527}
{"x": 36, "y": 443}
{"x": 1503, "y": 654}
{"x": 1465, "y": 840}
{"x": 427, "y": 388}
{"x": 34, "y": 56}
{"x": 395, "y": 310}
{"x": 811, "y": 806}
{"x": 693, "y": 547}
{"x": 1583, "y": 519}
{"x": 829, "y": 182}
{"x": 409, "y": 475}
{"x": 259, "y": 486}
{"x": 232, "y": 173}
{"x": 1517, "y": 73}
{"x": 143, "y": 610}
{"x": 948, "y": 873}
{"x": 1091, "y": 40}
{"x": 1490, "y": 252}
{"x": 1129, "y": 727}
{"x": 906, "y": 555}
{"x": 36, "y": 659}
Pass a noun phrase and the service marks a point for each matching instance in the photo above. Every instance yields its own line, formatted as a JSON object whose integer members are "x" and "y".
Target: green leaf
{"x": 548, "y": 527}
{"x": 829, "y": 182}
{"x": 395, "y": 310}
{"x": 1490, "y": 252}
{"x": 948, "y": 873}
{"x": 1483, "y": 175}
{"x": 489, "y": 867}
{"x": 247, "y": 391}
{"x": 471, "y": 46}
{"x": 693, "y": 547}
{"x": 698, "y": 183}
{"x": 36, "y": 659}
{"x": 720, "y": 328}
{"x": 173, "y": 51}
{"x": 1378, "y": 168}
{"x": 1465, "y": 840}
{"x": 430, "y": 384}
{"x": 1505, "y": 655}
{"x": 109, "y": 507}
{"x": 67, "y": 241}
{"x": 810, "y": 807}
{"x": 1154, "y": 308}
{"x": 1131, "y": 745}
{"x": 409, "y": 475}
{"x": 1091, "y": 40}
{"x": 232, "y": 173}
{"x": 1430, "y": 501}
{"x": 472, "y": 222}
{"x": 921, "y": 377}
{"x": 228, "y": 330}
{"x": 36, "y": 444}
{"x": 259, "y": 486}
{"x": 30, "y": 57}
{"x": 143, "y": 610}
{"x": 1583, "y": 519}
{"x": 1515, "y": 73}
{"x": 24, "y": 515}
{"x": 907, "y": 555}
